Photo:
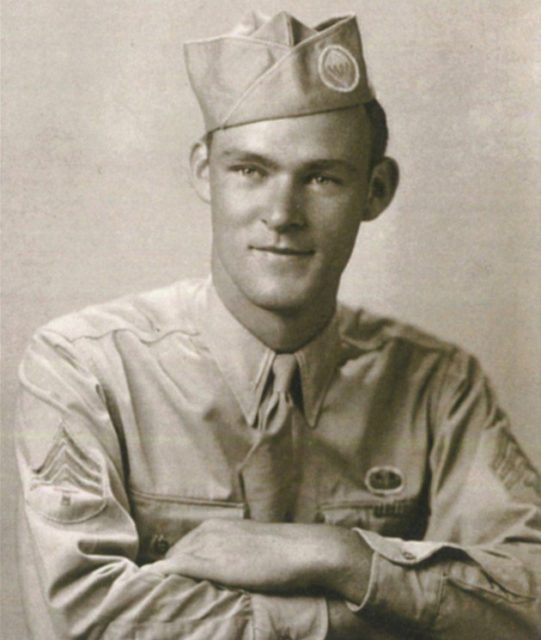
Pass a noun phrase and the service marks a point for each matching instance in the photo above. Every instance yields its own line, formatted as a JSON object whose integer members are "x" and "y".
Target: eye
{"x": 247, "y": 171}
{"x": 323, "y": 179}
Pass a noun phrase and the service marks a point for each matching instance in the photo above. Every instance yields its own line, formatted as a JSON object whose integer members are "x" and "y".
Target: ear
{"x": 200, "y": 170}
{"x": 382, "y": 187}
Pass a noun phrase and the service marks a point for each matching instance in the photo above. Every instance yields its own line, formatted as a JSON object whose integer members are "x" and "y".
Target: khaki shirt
{"x": 135, "y": 416}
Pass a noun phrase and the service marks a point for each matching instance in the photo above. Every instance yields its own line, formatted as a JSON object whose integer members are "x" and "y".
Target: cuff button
{"x": 160, "y": 545}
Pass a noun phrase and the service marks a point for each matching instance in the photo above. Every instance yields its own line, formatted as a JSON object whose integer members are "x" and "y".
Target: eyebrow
{"x": 333, "y": 163}
{"x": 248, "y": 156}
{"x": 314, "y": 165}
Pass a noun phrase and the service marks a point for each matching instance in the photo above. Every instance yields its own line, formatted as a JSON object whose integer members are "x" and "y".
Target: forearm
{"x": 264, "y": 557}
{"x": 405, "y": 584}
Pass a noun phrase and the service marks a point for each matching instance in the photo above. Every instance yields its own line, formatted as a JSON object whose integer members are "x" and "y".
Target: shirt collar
{"x": 318, "y": 361}
{"x": 245, "y": 362}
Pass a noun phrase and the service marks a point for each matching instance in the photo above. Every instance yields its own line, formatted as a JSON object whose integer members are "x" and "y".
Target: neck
{"x": 283, "y": 331}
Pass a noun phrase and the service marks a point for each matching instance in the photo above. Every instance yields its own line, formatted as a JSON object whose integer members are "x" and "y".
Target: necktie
{"x": 267, "y": 473}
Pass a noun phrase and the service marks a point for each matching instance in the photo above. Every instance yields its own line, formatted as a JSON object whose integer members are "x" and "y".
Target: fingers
{"x": 184, "y": 564}
{"x": 169, "y": 566}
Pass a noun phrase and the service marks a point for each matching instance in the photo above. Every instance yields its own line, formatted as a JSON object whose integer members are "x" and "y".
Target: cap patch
{"x": 384, "y": 481}
{"x": 338, "y": 69}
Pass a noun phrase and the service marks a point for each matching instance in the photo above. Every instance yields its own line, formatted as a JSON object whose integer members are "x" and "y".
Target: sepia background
{"x": 98, "y": 118}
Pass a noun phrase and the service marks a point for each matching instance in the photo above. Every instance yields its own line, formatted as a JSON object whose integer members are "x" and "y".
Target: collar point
{"x": 311, "y": 419}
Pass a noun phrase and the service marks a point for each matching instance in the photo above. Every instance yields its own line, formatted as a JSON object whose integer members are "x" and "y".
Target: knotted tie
{"x": 268, "y": 471}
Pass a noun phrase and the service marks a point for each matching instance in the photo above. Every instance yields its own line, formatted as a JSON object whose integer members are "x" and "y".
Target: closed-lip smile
{"x": 283, "y": 251}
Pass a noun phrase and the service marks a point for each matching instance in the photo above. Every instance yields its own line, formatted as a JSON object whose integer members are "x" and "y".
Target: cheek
{"x": 338, "y": 246}
{"x": 337, "y": 229}
{"x": 226, "y": 215}
{"x": 231, "y": 208}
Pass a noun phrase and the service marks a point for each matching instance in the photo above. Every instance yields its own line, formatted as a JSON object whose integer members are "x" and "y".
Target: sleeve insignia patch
{"x": 68, "y": 487}
{"x": 513, "y": 468}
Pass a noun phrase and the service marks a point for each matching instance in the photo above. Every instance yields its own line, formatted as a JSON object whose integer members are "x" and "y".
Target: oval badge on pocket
{"x": 384, "y": 480}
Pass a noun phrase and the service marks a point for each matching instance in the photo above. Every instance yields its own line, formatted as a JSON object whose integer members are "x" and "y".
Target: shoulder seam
{"x": 387, "y": 329}
{"x": 108, "y": 332}
{"x": 377, "y": 343}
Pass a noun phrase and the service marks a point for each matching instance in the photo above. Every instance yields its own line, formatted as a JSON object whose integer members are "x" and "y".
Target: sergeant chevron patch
{"x": 68, "y": 487}
{"x": 513, "y": 468}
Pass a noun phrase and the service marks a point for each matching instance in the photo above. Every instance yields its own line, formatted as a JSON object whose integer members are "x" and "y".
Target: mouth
{"x": 283, "y": 251}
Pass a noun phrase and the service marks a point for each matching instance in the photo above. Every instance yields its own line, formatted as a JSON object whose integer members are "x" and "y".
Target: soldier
{"x": 244, "y": 457}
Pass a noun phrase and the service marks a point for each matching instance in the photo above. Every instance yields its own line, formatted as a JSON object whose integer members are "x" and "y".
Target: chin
{"x": 279, "y": 298}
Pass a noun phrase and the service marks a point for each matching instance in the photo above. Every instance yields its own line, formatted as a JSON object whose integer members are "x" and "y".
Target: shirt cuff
{"x": 400, "y": 586}
{"x": 289, "y": 618}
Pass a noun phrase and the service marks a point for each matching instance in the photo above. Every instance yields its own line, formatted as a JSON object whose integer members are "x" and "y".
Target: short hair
{"x": 379, "y": 132}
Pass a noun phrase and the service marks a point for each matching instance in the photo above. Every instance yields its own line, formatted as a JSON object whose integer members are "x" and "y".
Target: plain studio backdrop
{"x": 98, "y": 120}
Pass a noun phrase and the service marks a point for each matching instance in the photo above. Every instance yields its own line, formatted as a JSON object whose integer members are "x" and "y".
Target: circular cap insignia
{"x": 338, "y": 69}
{"x": 384, "y": 481}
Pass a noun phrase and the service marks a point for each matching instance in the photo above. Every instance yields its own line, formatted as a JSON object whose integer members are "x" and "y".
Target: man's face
{"x": 287, "y": 200}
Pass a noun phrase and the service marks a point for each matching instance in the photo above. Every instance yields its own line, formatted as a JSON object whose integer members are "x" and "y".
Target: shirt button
{"x": 160, "y": 545}
{"x": 407, "y": 555}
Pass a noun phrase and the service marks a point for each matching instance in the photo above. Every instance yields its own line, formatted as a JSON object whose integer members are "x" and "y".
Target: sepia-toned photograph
{"x": 271, "y": 320}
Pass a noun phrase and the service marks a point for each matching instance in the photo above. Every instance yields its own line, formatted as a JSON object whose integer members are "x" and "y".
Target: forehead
{"x": 342, "y": 135}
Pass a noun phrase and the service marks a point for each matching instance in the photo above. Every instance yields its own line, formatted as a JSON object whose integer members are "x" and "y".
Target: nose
{"x": 284, "y": 207}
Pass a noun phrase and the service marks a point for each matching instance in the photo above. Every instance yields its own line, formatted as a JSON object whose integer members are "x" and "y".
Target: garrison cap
{"x": 268, "y": 68}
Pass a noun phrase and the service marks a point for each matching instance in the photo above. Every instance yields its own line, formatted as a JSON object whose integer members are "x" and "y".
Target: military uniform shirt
{"x": 134, "y": 418}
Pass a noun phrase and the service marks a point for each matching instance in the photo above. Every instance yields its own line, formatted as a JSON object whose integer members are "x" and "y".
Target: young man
{"x": 244, "y": 457}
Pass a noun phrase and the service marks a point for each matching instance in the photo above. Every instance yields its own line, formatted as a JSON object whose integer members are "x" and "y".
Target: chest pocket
{"x": 404, "y": 518}
{"x": 162, "y": 520}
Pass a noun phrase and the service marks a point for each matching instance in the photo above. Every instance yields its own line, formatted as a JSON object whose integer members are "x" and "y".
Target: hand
{"x": 272, "y": 557}
{"x": 343, "y": 623}
{"x": 346, "y": 625}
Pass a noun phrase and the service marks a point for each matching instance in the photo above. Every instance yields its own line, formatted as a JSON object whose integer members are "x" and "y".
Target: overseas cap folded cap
{"x": 268, "y": 68}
